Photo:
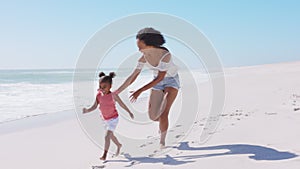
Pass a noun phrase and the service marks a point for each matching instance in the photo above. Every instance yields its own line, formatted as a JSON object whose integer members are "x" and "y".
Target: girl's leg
{"x": 116, "y": 141}
{"x": 107, "y": 144}
{"x": 155, "y": 104}
{"x": 171, "y": 94}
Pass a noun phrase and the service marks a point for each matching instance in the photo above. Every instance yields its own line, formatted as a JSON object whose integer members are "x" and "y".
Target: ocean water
{"x": 26, "y": 93}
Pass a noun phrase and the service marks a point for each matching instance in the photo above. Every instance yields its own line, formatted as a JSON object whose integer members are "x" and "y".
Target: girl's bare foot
{"x": 118, "y": 149}
{"x": 104, "y": 155}
{"x": 103, "y": 158}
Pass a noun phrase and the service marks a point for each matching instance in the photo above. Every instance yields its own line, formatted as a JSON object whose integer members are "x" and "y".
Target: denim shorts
{"x": 168, "y": 82}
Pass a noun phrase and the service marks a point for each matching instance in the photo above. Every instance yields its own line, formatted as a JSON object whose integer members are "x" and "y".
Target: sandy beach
{"x": 259, "y": 128}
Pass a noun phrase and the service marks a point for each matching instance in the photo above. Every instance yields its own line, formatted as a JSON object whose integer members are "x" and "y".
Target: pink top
{"x": 107, "y": 105}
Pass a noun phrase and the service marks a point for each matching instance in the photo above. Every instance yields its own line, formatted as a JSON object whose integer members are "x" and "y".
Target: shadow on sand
{"x": 255, "y": 152}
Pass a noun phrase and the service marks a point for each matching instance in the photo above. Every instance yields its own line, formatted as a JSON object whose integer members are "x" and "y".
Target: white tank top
{"x": 162, "y": 66}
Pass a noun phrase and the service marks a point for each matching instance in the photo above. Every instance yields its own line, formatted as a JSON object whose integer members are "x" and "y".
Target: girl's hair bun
{"x": 112, "y": 74}
{"x": 101, "y": 74}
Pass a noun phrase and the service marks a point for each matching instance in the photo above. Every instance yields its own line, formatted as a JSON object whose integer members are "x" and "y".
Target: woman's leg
{"x": 171, "y": 94}
{"x": 155, "y": 104}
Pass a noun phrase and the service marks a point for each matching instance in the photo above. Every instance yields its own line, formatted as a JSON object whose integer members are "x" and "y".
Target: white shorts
{"x": 111, "y": 124}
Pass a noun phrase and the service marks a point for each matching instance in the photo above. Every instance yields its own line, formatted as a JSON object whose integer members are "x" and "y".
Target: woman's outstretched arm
{"x": 161, "y": 75}
{"x": 129, "y": 80}
{"x": 133, "y": 75}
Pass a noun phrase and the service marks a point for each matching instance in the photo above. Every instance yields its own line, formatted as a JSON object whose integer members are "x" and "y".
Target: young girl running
{"x": 106, "y": 100}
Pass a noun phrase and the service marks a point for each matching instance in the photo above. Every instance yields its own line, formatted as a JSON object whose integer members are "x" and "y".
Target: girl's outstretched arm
{"x": 121, "y": 103}
{"x": 92, "y": 108}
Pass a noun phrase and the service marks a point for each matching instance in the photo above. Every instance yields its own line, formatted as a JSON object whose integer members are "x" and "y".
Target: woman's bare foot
{"x": 162, "y": 139}
{"x": 162, "y": 145}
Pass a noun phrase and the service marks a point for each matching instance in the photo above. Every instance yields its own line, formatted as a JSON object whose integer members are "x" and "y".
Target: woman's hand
{"x": 135, "y": 95}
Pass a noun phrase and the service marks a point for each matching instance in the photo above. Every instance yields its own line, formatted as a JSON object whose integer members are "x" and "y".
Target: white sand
{"x": 259, "y": 129}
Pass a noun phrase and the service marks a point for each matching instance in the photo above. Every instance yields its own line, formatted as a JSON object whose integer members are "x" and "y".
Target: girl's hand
{"x": 84, "y": 110}
{"x": 135, "y": 95}
{"x": 131, "y": 115}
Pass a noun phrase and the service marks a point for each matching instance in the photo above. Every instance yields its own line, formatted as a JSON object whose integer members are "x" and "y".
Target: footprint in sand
{"x": 177, "y": 136}
{"x": 296, "y": 96}
{"x": 239, "y": 110}
{"x": 97, "y": 167}
{"x": 143, "y": 145}
{"x": 154, "y": 152}
{"x": 270, "y": 113}
{"x": 294, "y": 101}
{"x": 179, "y": 153}
{"x": 151, "y": 155}
{"x": 148, "y": 143}
{"x": 134, "y": 162}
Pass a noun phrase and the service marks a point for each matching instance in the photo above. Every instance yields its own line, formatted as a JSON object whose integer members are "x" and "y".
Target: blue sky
{"x": 50, "y": 34}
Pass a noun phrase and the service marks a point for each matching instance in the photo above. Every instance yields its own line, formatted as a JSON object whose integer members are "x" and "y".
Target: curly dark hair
{"x": 106, "y": 78}
{"x": 151, "y": 37}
